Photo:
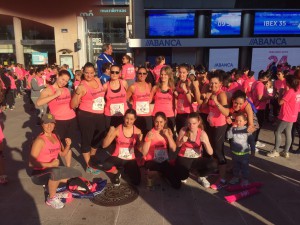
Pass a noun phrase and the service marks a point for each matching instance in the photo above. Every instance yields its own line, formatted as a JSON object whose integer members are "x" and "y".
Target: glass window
{"x": 33, "y": 31}
{"x": 6, "y": 28}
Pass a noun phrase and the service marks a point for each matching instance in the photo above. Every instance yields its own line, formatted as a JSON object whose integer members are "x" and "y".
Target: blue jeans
{"x": 241, "y": 165}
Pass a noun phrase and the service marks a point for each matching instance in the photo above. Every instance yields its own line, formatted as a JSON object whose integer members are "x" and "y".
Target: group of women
{"x": 114, "y": 112}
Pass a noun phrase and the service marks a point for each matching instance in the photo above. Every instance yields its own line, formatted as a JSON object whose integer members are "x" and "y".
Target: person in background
{"x": 70, "y": 83}
{"x": 160, "y": 63}
{"x": 105, "y": 76}
{"x": 105, "y": 57}
{"x": 128, "y": 71}
{"x": 45, "y": 163}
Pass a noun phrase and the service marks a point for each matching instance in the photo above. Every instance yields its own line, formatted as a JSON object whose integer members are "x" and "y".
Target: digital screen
{"x": 277, "y": 23}
{"x": 171, "y": 25}
{"x": 226, "y": 23}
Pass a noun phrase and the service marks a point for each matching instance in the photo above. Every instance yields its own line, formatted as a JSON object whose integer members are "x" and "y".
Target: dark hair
{"x": 115, "y": 66}
{"x": 238, "y": 74}
{"x": 238, "y": 94}
{"x": 251, "y": 73}
{"x": 130, "y": 111}
{"x": 127, "y": 57}
{"x": 162, "y": 115}
{"x": 39, "y": 69}
{"x": 227, "y": 79}
{"x": 105, "y": 66}
{"x": 242, "y": 114}
{"x": 292, "y": 82}
{"x": 263, "y": 75}
{"x": 195, "y": 115}
{"x": 64, "y": 72}
{"x": 159, "y": 59}
{"x": 297, "y": 73}
{"x": 219, "y": 74}
{"x": 141, "y": 67}
{"x": 88, "y": 65}
{"x": 185, "y": 66}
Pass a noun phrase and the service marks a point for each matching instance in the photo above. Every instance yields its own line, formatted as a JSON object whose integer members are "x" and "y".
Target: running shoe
{"x": 273, "y": 154}
{"x": 92, "y": 171}
{"x": 55, "y": 202}
{"x": 284, "y": 154}
{"x": 203, "y": 181}
{"x": 220, "y": 183}
{"x": 260, "y": 144}
{"x": 116, "y": 179}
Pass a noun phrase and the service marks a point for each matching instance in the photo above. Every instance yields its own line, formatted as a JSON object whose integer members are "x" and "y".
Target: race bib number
{"x": 117, "y": 109}
{"x": 98, "y": 103}
{"x": 126, "y": 153}
{"x": 142, "y": 108}
{"x": 191, "y": 153}
{"x": 160, "y": 155}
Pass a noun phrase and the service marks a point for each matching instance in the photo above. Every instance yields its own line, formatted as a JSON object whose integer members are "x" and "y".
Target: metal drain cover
{"x": 115, "y": 196}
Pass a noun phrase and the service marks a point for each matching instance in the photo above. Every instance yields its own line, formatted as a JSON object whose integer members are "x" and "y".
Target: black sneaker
{"x": 116, "y": 179}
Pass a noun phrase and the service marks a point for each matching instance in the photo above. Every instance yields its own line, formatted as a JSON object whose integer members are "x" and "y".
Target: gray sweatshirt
{"x": 241, "y": 140}
{"x": 35, "y": 88}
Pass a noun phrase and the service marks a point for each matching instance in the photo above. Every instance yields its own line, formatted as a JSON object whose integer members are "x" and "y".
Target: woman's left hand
{"x": 68, "y": 141}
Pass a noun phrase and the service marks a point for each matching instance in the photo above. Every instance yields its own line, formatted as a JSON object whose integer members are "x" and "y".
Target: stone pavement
{"x": 22, "y": 202}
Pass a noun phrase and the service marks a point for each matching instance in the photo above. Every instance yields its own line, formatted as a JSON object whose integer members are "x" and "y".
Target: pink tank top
{"x": 215, "y": 117}
{"x": 158, "y": 150}
{"x": 60, "y": 107}
{"x": 125, "y": 145}
{"x": 116, "y": 103}
{"x": 141, "y": 100}
{"x": 50, "y": 150}
{"x": 93, "y": 100}
{"x": 163, "y": 102}
{"x": 183, "y": 106}
{"x": 191, "y": 149}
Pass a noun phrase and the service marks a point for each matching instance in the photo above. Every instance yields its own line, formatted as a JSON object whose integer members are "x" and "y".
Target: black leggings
{"x": 217, "y": 138}
{"x": 167, "y": 171}
{"x": 145, "y": 123}
{"x": 130, "y": 168}
{"x": 181, "y": 121}
{"x": 183, "y": 166}
{"x": 66, "y": 129}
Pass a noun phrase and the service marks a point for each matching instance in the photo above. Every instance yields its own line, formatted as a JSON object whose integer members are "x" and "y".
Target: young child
{"x": 241, "y": 140}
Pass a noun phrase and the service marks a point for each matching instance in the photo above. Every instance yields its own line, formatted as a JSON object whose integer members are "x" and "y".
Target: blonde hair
{"x": 169, "y": 72}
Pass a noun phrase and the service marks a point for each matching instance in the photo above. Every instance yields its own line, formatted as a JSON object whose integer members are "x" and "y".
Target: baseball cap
{"x": 48, "y": 118}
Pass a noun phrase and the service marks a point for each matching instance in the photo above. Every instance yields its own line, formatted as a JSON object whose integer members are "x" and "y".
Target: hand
{"x": 166, "y": 132}
{"x": 175, "y": 93}
{"x": 68, "y": 141}
{"x": 183, "y": 86}
{"x": 251, "y": 129}
{"x": 184, "y": 139}
{"x": 213, "y": 97}
{"x": 229, "y": 120}
{"x": 55, "y": 163}
{"x": 208, "y": 95}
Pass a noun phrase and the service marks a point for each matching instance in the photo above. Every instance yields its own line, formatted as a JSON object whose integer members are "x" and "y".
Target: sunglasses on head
{"x": 114, "y": 72}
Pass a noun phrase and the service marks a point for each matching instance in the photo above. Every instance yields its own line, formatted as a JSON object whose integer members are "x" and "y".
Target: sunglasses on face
{"x": 114, "y": 72}
{"x": 142, "y": 73}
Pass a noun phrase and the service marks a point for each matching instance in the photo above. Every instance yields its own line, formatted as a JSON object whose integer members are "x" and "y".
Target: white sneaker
{"x": 55, "y": 202}
{"x": 260, "y": 144}
{"x": 204, "y": 182}
{"x": 184, "y": 181}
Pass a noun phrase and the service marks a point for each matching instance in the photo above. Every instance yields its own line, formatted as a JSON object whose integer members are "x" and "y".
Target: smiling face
{"x": 62, "y": 80}
{"x": 159, "y": 123}
{"x": 215, "y": 84}
{"x": 240, "y": 121}
{"x": 114, "y": 73}
{"x": 164, "y": 76}
{"x": 89, "y": 73}
{"x": 129, "y": 120}
{"x": 48, "y": 127}
{"x": 142, "y": 74}
{"x": 183, "y": 73}
{"x": 237, "y": 103}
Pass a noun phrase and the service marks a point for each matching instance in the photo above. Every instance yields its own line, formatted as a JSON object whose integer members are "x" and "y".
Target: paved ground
{"x": 22, "y": 202}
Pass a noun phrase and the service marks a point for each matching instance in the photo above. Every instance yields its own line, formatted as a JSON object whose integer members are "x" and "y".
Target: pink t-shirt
{"x": 279, "y": 84}
{"x": 116, "y": 102}
{"x": 125, "y": 145}
{"x": 215, "y": 118}
{"x": 289, "y": 109}
{"x": 258, "y": 88}
{"x": 128, "y": 72}
{"x": 12, "y": 83}
{"x": 191, "y": 149}
{"x": 240, "y": 81}
{"x": 60, "y": 107}
{"x": 29, "y": 81}
{"x": 234, "y": 87}
{"x": 158, "y": 150}
{"x": 141, "y": 100}
{"x": 156, "y": 72}
{"x": 247, "y": 85}
{"x": 163, "y": 102}
{"x": 93, "y": 101}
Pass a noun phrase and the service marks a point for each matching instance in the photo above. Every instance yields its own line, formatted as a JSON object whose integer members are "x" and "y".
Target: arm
{"x": 196, "y": 90}
{"x": 125, "y": 84}
{"x": 139, "y": 143}
{"x": 169, "y": 135}
{"x": 47, "y": 96}
{"x": 221, "y": 103}
{"x": 147, "y": 143}
{"x": 204, "y": 139}
{"x": 187, "y": 91}
{"x": 78, "y": 93}
{"x": 111, "y": 135}
{"x": 130, "y": 92}
{"x": 249, "y": 112}
{"x": 181, "y": 137}
{"x": 65, "y": 150}
{"x": 153, "y": 91}
{"x": 36, "y": 148}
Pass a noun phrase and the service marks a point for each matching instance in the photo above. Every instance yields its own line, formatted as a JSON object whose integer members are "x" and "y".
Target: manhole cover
{"x": 115, "y": 196}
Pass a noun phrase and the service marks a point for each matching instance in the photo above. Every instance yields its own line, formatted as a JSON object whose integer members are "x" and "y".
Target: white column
{"x": 82, "y": 53}
{"x": 18, "y": 37}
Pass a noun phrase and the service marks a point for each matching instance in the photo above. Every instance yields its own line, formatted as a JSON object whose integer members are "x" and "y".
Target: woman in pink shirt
{"x": 89, "y": 98}
{"x": 160, "y": 63}
{"x": 116, "y": 101}
{"x": 128, "y": 71}
{"x": 158, "y": 142}
{"x": 45, "y": 163}
{"x": 289, "y": 102}
{"x": 128, "y": 140}
{"x": 139, "y": 92}
{"x": 58, "y": 98}
{"x": 218, "y": 110}
{"x": 162, "y": 93}
{"x": 279, "y": 86}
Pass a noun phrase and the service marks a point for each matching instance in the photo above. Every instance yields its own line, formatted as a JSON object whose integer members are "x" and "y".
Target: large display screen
{"x": 171, "y": 24}
{"x": 226, "y": 23}
{"x": 274, "y": 23}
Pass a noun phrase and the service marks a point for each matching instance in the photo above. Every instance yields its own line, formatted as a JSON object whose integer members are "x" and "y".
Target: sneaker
{"x": 234, "y": 180}
{"x": 116, "y": 179}
{"x": 259, "y": 144}
{"x": 92, "y": 171}
{"x": 220, "y": 183}
{"x": 256, "y": 149}
{"x": 64, "y": 194}
{"x": 204, "y": 182}
{"x": 55, "y": 202}
{"x": 3, "y": 179}
{"x": 284, "y": 154}
{"x": 184, "y": 181}
{"x": 273, "y": 154}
